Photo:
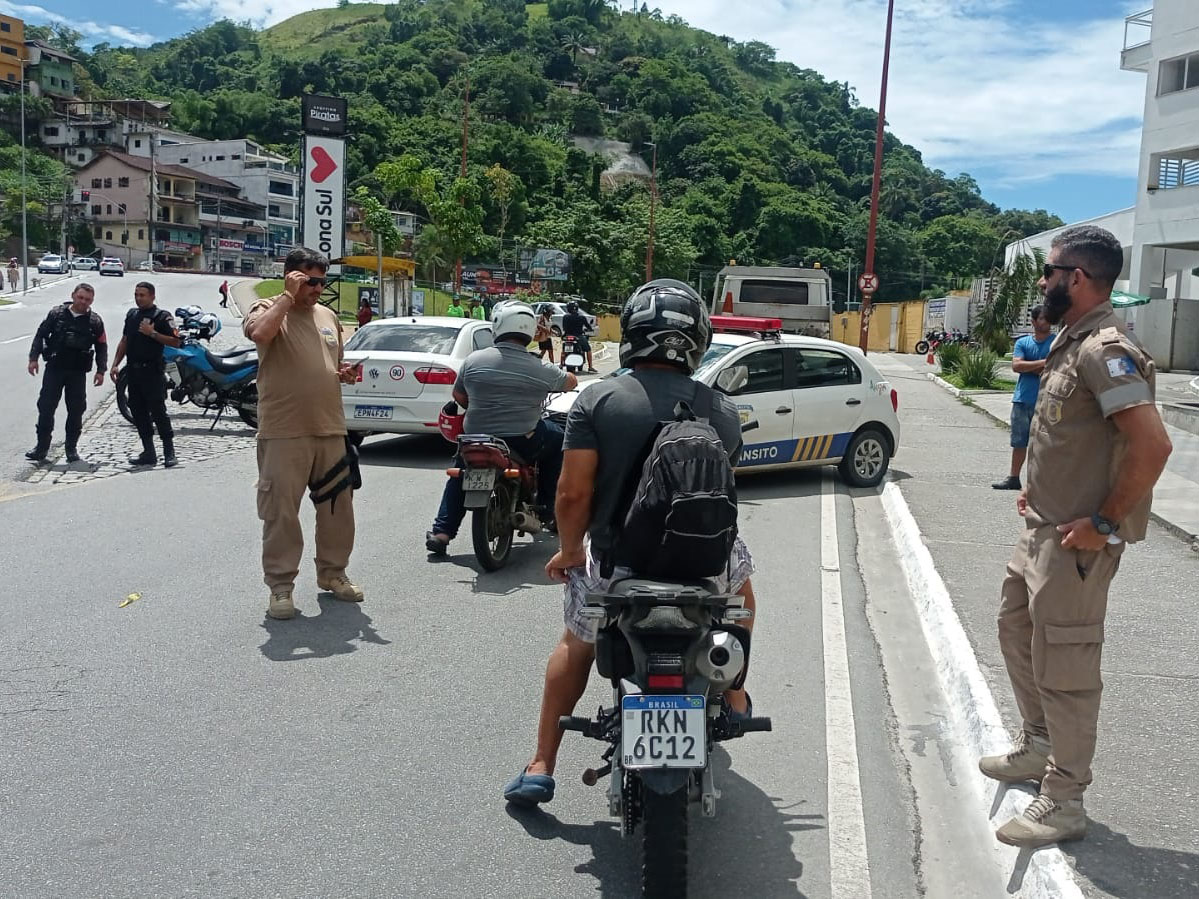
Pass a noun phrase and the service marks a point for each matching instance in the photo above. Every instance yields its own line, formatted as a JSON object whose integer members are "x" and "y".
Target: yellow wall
{"x": 846, "y": 327}
{"x": 13, "y": 38}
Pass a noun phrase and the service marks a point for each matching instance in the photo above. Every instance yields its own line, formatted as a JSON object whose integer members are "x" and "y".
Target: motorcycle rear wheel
{"x": 664, "y": 844}
{"x": 921, "y": 347}
{"x": 491, "y": 530}
{"x": 247, "y": 409}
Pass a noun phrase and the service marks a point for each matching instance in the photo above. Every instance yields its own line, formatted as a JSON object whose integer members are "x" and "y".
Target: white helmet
{"x": 512, "y": 318}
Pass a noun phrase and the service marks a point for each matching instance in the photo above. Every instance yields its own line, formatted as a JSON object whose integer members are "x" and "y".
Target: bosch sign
{"x": 324, "y": 115}
{"x": 323, "y": 212}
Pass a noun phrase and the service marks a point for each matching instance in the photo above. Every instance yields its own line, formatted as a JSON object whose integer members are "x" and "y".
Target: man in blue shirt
{"x": 1028, "y": 361}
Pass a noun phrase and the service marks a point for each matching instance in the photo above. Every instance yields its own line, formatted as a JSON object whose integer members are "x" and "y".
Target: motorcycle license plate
{"x": 372, "y": 412}
{"x": 478, "y": 479}
{"x": 663, "y": 731}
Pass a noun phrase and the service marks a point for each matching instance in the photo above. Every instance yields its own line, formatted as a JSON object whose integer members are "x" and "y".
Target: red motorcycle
{"x": 500, "y": 492}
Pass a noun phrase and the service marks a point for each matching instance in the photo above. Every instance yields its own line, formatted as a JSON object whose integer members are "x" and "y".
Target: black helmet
{"x": 572, "y": 307}
{"x": 665, "y": 321}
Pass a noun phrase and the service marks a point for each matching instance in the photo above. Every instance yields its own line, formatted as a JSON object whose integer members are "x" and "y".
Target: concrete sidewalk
{"x": 1144, "y": 836}
{"x": 1176, "y": 497}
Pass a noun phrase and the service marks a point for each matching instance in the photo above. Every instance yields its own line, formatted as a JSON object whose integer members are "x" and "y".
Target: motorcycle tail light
{"x": 435, "y": 375}
{"x": 512, "y": 473}
{"x": 665, "y": 681}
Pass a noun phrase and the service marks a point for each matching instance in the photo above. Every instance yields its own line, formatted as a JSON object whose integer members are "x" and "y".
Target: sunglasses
{"x": 1050, "y": 268}
{"x": 317, "y": 282}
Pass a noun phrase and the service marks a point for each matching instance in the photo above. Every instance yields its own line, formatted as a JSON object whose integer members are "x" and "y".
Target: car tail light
{"x": 665, "y": 681}
{"x": 435, "y": 375}
{"x": 894, "y": 399}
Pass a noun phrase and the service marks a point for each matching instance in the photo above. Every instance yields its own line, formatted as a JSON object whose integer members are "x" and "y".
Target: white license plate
{"x": 663, "y": 731}
{"x": 478, "y": 479}
{"x": 372, "y": 412}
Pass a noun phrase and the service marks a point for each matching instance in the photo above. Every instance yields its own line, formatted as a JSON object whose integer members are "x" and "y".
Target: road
{"x": 163, "y": 737}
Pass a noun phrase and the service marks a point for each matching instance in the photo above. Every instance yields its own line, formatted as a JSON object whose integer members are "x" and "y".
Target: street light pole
{"x": 653, "y": 202}
{"x": 867, "y": 295}
{"x": 24, "y": 199}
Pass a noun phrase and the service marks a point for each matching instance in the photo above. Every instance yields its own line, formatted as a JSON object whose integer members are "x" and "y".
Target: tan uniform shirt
{"x": 299, "y": 394}
{"x": 1094, "y": 370}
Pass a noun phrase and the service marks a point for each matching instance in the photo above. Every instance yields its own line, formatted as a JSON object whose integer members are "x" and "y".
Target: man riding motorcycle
{"x": 665, "y": 332}
{"x": 503, "y": 389}
{"x": 574, "y": 324}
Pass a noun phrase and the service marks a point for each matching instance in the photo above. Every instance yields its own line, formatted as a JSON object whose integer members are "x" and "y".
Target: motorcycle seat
{"x": 667, "y": 589}
{"x": 232, "y": 361}
{"x": 234, "y": 351}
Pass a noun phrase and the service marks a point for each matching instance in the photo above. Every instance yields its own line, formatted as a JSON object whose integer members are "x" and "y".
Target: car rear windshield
{"x": 787, "y": 293}
{"x": 405, "y": 338}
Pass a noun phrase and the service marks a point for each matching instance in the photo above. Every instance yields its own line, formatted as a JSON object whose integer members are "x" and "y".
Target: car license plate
{"x": 663, "y": 731}
{"x": 372, "y": 412}
{"x": 478, "y": 479}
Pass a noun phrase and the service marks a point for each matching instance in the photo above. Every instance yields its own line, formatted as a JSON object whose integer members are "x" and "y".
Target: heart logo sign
{"x": 325, "y": 166}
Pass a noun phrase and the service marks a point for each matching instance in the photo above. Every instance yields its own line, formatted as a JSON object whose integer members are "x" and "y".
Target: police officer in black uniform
{"x": 68, "y": 340}
{"x": 147, "y": 330}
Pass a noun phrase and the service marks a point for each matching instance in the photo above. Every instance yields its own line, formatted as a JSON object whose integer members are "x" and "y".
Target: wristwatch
{"x": 1104, "y": 526}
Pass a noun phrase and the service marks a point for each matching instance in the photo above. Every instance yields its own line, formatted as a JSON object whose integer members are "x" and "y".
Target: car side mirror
{"x": 732, "y": 380}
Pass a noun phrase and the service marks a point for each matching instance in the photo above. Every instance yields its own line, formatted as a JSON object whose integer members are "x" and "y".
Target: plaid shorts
{"x": 584, "y": 581}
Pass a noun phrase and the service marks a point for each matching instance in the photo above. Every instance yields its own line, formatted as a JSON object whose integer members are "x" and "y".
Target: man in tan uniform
{"x": 1097, "y": 448}
{"x": 302, "y": 433}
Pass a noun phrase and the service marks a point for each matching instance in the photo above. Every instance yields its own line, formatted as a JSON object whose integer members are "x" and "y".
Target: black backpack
{"x": 682, "y": 517}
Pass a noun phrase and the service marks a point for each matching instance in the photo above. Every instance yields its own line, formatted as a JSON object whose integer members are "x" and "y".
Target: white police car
{"x": 817, "y": 402}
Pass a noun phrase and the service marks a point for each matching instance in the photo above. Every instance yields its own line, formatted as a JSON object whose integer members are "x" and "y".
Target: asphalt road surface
{"x": 162, "y": 737}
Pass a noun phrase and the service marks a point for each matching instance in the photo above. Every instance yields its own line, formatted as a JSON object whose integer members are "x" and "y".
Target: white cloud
{"x": 270, "y": 13}
{"x": 975, "y": 85}
{"x": 93, "y": 32}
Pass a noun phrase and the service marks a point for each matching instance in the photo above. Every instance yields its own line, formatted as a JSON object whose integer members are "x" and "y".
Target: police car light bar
{"x": 746, "y": 324}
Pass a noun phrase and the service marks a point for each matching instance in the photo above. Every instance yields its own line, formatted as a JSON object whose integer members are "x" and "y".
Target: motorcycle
{"x": 670, "y": 650}
{"x": 500, "y": 492}
{"x": 573, "y": 358}
{"x": 221, "y": 381}
{"x": 931, "y": 341}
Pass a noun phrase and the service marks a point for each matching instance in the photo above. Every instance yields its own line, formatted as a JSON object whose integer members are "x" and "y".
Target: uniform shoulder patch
{"x": 1121, "y": 366}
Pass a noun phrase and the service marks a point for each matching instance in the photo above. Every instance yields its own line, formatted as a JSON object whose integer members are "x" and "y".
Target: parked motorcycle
{"x": 500, "y": 491}
{"x": 214, "y": 381}
{"x": 670, "y": 650}
{"x": 932, "y": 340}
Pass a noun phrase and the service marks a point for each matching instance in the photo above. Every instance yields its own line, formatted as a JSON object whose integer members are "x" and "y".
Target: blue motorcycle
{"x": 214, "y": 381}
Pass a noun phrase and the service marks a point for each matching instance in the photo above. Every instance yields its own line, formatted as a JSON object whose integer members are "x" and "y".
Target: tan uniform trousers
{"x": 1051, "y": 634}
{"x": 286, "y": 466}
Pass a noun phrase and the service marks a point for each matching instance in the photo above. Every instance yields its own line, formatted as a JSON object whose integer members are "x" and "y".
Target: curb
{"x": 1177, "y": 530}
{"x": 14, "y": 304}
{"x": 977, "y": 722}
{"x": 958, "y": 391}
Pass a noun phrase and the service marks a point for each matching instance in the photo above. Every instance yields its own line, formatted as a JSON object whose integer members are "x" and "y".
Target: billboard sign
{"x": 324, "y": 115}
{"x": 371, "y": 294}
{"x": 545, "y": 264}
{"x": 323, "y": 211}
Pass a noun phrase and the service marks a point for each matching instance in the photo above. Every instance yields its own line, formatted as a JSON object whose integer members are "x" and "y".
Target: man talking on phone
{"x": 302, "y": 443}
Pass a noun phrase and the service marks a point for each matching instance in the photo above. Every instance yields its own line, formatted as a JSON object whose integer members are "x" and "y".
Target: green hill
{"x": 758, "y": 160}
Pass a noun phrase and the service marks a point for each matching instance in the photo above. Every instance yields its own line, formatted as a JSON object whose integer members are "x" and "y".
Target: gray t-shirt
{"x": 616, "y": 418}
{"x": 506, "y": 387}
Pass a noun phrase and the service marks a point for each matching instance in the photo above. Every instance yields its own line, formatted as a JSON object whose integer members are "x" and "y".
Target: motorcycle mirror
{"x": 733, "y": 379}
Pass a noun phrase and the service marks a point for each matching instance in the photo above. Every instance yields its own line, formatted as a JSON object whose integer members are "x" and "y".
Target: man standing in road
{"x": 477, "y": 312}
{"x": 302, "y": 434}
{"x": 455, "y": 310}
{"x": 1028, "y": 361}
{"x": 224, "y": 292}
{"x": 147, "y": 330}
{"x": 1098, "y": 446}
{"x": 68, "y": 339}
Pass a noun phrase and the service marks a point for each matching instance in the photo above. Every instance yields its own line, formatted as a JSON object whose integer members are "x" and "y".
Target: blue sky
{"x": 1026, "y": 95}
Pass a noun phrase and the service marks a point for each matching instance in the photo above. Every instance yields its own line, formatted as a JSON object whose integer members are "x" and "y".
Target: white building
{"x": 265, "y": 178}
{"x": 1160, "y": 233}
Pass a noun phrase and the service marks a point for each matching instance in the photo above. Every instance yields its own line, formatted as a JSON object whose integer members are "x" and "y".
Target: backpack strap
{"x": 702, "y": 404}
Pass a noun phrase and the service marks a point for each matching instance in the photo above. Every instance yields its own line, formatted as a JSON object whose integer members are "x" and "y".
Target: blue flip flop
{"x": 529, "y": 790}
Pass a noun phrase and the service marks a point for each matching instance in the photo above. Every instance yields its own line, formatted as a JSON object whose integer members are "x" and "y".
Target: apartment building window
{"x": 141, "y": 233}
{"x": 220, "y": 159}
{"x": 50, "y": 131}
{"x": 96, "y": 183}
{"x": 1177, "y": 169}
{"x": 95, "y": 209}
{"x": 122, "y": 182}
{"x": 137, "y": 143}
{"x": 97, "y": 232}
{"x": 1178, "y": 74}
{"x": 280, "y": 187}
{"x": 108, "y": 182}
{"x": 235, "y": 156}
{"x": 53, "y": 80}
{"x": 4, "y": 26}
{"x": 11, "y": 51}
{"x": 108, "y": 209}
{"x": 108, "y": 235}
{"x": 183, "y": 160}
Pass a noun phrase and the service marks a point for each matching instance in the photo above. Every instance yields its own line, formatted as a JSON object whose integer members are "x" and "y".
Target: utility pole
{"x": 150, "y": 226}
{"x": 218, "y": 235}
{"x": 653, "y": 202}
{"x": 878, "y": 174}
{"x": 24, "y": 199}
{"x": 462, "y": 174}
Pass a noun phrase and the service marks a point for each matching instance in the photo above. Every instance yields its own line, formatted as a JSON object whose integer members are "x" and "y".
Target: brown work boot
{"x": 282, "y": 606}
{"x": 1025, "y": 761}
{"x": 1046, "y": 820}
{"x": 341, "y": 587}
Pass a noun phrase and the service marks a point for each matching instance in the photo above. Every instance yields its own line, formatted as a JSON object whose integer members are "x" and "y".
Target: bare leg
{"x": 737, "y": 699}
{"x": 566, "y": 676}
{"x": 1018, "y": 456}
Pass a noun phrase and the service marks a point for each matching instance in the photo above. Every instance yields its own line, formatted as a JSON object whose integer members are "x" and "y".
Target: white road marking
{"x": 848, "y": 864}
{"x": 15, "y": 339}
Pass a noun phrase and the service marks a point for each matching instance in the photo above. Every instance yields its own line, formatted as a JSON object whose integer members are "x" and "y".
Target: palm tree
{"x": 573, "y": 43}
{"x": 1014, "y": 286}
{"x": 430, "y": 252}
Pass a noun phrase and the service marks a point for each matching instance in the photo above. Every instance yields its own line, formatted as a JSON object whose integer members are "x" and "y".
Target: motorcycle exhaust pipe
{"x": 721, "y": 658}
{"x": 527, "y": 522}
